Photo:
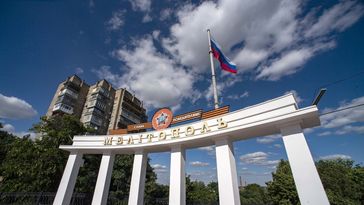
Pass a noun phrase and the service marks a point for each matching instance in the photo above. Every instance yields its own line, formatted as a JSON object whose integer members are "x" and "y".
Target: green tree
{"x": 6, "y": 139}
{"x": 87, "y": 175}
{"x": 358, "y": 178}
{"x": 214, "y": 188}
{"x": 38, "y": 165}
{"x": 254, "y": 194}
{"x": 282, "y": 189}
{"x": 343, "y": 183}
{"x": 121, "y": 176}
{"x": 18, "y": 166}
{"x": 198, "y": 193}
{"x": 154, "y": 191}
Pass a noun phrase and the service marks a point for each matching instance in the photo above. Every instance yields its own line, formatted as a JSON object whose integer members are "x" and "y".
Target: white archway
{"x": 275, "y": 116}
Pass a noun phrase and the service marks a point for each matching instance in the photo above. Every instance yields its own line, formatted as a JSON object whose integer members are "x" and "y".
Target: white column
{"x": 177, "y": 179}
{"x": 103, "y": 179}
{"x": 68, "y": 181}
{"x": 136, "y": 195}
{"x": 305, "y": 175}
{"x": 226, "y": 173}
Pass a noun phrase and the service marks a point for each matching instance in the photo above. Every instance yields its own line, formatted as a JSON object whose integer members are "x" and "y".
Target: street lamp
{"x": 318, "y": 96}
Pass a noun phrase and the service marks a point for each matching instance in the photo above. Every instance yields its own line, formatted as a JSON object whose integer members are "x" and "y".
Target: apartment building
{"x": 99, "y": 106}
{"x": 97, "y": 109}
{"x": 127, "y": 110}
{"x": 69, "y": 97}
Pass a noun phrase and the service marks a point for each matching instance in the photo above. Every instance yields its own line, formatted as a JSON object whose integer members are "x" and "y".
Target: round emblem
{"x": 162, "y": 119}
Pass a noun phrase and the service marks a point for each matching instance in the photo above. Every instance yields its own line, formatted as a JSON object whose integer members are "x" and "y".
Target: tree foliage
{"x": 198, "y": 193}
{"x": 342, "y": 181}
{"x": 6, "y": 139}
{"x": 254, "y": 194}
{"x": 282, "y": 189}
{"x": 37, "y": 165}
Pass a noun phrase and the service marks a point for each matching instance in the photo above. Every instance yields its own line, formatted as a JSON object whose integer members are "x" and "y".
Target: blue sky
{"x": 158, "y": 50}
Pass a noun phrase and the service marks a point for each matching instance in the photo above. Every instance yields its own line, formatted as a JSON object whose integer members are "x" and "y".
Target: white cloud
{"x": 237, "y": 96}
{"x": 144, "y": 6}
{"x": 199, "y": 164}
{"x": 15, "y": 108}
{"x": 295, "y": 94}
{"x": 221, "y": 85}
{"x": 210, "y": 150}
{"x": 257, "y": 158}
{"x": 31, "y": 135}
{"x": 273, "y": 167}
{"x": 350, "y": 129}
{"x": 252, "y": 173}
{"x": 165, "y": 14}
{"x": 254, "y": 41}
{"x": 287, "y": 64}
{"x": 291, "y": 61}
{"x": 152, "y": 76}
{"x": 147, "y": 18}
{"x": 8, "y": 128}
{"x": 156, "y": 34}
{"x": 79, "y": 70}
{"x": 335, "y": 156}
{"x": 159, "y": 168}
{"x": 325, "y": 133}
{"x": 141, "y": 5}
{"x": 277, "y": 145}
{"x": 116, "y": 20}
{"x": 269, "y": 46}
{"x": 338, "y": 18}
{"x": 268, "y": 139}
{"x": 344, "y": 121}
{"x": 204, "y": 176}
{"x": 11, "y": 129}
{"x": 345, "y": 117}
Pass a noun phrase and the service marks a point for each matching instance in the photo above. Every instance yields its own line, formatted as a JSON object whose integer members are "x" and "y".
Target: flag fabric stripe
{"x": 225, "y": 63}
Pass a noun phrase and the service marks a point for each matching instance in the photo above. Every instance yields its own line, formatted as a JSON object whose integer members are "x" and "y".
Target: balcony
{"x": 95, "y": 111}
{"x": 63, "y": 108}
{"x": 92, "y": 119}
{"x": 135, "y": 119}
{"x": 95, "y": 120}
{"x": 69, "y": 92}
{"x": 96, "y": 103}
{"x": 101, "y": 91}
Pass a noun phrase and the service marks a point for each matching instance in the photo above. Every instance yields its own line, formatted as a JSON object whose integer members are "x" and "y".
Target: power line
{"x": 343, "y": 79}
{"x": 339, "y": 110}
{"x": 338, "y": 81}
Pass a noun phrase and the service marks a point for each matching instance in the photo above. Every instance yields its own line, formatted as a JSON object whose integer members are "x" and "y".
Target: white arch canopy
{"x": 277, "y": 116}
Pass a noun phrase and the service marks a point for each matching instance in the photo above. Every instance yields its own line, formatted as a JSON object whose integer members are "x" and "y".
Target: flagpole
{"x": 216, "y": 101}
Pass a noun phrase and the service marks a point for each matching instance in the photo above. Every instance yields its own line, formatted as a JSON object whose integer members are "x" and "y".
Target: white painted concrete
{"x": 103, "y": 179}
{"x": 253, "y": 121}
{"x": 68, "y": 181}
{"x": 177, "y": 180}
{"x": 270, "y": 117}
{"x": 307, "y": 180}
{"x": 136, "y": 195}
{"x": 226, "y": 173}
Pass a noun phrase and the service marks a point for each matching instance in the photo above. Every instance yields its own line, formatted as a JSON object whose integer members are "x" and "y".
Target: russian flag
{"x": 225, "y": 63}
